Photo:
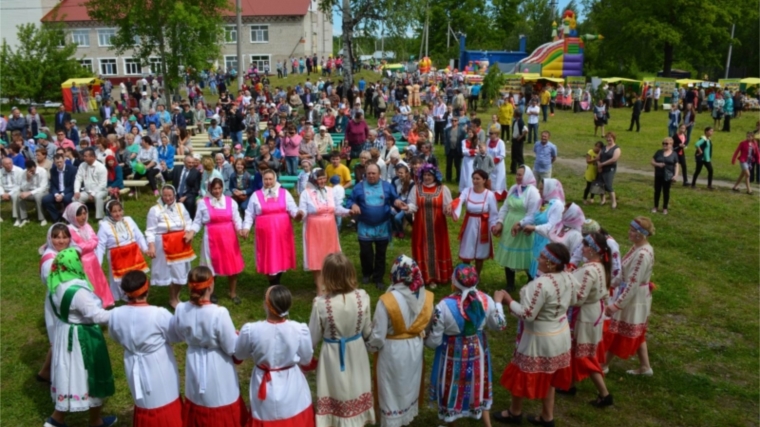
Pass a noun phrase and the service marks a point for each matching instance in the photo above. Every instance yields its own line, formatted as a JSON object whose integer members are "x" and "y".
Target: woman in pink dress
{"x": 271, "y": 208}
{"x": 85, "y": 238}
{"x": 220, "y": 250}
{"x": 318, "y": 205}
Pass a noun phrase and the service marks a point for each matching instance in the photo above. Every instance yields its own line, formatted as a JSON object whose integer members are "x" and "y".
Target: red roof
{"x": 75, "y": 10}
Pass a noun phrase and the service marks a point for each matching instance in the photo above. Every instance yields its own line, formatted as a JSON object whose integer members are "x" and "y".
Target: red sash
{"x": 175, "y": 247}
{"x": 268, "y": 378}
{"x": 484, "y": 232}
{"x": 127, "y": 258}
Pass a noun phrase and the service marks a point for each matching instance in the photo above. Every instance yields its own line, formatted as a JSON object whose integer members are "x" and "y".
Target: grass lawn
{"x": 703, "y": 335}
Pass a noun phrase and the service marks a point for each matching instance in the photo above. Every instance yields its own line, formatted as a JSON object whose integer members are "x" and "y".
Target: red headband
{"x": 199, "y": 286}
{"x": 139, "y": 291}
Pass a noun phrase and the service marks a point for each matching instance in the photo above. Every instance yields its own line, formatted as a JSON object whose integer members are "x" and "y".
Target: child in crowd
{"x": 239, "y": 152}
{"x": 152, "y": 376}
{"x": 340, "y": 195}
{"x": 303, "y": 176}
{"x": 483, "y": 161}
{"x": 591, "y": 171}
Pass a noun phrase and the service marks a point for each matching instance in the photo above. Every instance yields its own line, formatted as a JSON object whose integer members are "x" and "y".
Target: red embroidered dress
{"x": 344, "y": 386}
{"x": 632, "y": 304}
{"x": 542, "y": 357}
{"x": 430, "y": 233}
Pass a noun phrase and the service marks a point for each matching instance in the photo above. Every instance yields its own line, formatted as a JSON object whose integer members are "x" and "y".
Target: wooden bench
{"x": 192, "y": 129}
{"x": 134, "y": 185}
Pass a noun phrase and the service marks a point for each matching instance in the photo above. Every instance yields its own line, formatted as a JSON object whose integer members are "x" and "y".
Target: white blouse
{"x": 162, "y": 220}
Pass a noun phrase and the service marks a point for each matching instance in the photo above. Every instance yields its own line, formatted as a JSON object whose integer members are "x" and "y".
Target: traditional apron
{"x": 275, "y": 247}
{"x": 176, "y": 249}
{"x": 223, "y": 245}
{"x": 97, "y": 363}
{"x": 126, "y": 258}
{"x": 320, "y": 232}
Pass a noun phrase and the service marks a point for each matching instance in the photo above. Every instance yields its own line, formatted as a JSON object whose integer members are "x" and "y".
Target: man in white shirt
{"x": 11, "y": 177}
{"x": 532, "y": 112}
{"x": 92, "y": 178}
{"x": 33, "y": 187}
{"x": 439, "y": 111}
{"x": 657, "y": 92}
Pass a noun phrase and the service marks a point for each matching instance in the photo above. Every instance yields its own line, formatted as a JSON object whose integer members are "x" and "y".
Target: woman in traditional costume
{"x": 514, "y": 249}
{"x": 549, "y": 218}
{"x": 498, "y": 152}
{"x": 341, "y": 319}
{"x": 469, "y": 151}
{"x": 220, "y": 250}
{"x": 401, "y": 316}
{"x": 319, "y": 206}
{"x": 586, "y": 317}
{"x": 456, "y": 334}
{"x": 279, "y": 392}
{"x": 632, "y": 303}
{"x": 212, "y": 393}
{"x": 271, "y": 209}
{"x": 481, "y": 214}
{"x": 123, "y": 242}
{"x": 58, "y": 239}
{"x": 144, "y": 332}
{"x": 566, "y": 232}
{"x": 84, "y": 238}
{"x": 541, "y": 361}
{"x": 81, "y": 375}
{"x": 431, "y": 203}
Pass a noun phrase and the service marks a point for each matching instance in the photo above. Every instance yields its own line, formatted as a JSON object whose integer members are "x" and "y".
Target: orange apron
{"x": 126, "y": 258}
{"x": 175, "y": 247}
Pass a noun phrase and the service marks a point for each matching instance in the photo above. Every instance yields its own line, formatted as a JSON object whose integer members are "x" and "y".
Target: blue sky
{"x": 337, "y": 23}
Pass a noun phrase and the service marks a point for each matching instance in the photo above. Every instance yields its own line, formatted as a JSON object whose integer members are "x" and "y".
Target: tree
{"x": 41, "y": 63}
{"x": 183, "y": 34}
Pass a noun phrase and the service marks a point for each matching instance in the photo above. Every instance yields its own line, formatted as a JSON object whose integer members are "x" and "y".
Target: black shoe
{"x": 214, "y": 299}
{"x": 236, "y": 300}
{"x": 380, "y": 286}
{"x": 538, "y": 421}
{"x": 602, "y": 402}
{"x": 685, "y": 184}
{"x": 572, "y": 391}
{"x": 510, "y": 287}
{"x": 509, "y": 419}
{"x": 365, "y": 280}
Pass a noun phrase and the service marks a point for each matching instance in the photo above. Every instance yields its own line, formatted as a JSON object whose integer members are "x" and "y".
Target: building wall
{"x": 17, "y": 12}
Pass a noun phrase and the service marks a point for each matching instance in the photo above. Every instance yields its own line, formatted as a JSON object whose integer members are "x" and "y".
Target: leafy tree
{"x": 183, "y": 34}
{"x": 41, "y": 63}
{"x": 493, "y": 82}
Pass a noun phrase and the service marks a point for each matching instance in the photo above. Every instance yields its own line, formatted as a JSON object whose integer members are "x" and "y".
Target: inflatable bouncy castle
{"x": 561, "y": 57}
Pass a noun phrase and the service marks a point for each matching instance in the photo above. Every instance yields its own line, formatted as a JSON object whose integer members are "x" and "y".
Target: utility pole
{"x": 427, "y": 30}
{"x": 730, "y": 48}
{"x": 241, "y": 66}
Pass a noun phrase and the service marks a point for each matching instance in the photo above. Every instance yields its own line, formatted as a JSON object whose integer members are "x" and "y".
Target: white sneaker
{"x": 1, "y": 219}
{"x": 17, "y": 223}
{"x": 647, "y": 373}
{"x": 23, "y": 223}
{"x": 43, "y": 223}
{"x": 606, "y": 370}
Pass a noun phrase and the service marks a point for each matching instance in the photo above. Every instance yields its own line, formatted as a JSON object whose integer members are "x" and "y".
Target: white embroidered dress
{"x": 161, "y": 220}
{"x": 476, "y": 205}
{"x": 112, "y": 235}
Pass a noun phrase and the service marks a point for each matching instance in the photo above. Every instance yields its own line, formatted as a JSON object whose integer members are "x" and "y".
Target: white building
{"x": 17, "y": 12}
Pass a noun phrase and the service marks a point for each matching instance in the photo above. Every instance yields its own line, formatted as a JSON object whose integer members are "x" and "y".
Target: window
{"x": 81, "y": 37}
{"x": 132, "y": 66}
{"x": 108, "y": 67}
{"x": 105, "y": 35}
{"x": 155, "y": 65}
{"x": 261, "y": 62}
{"x": 230, "y": 62}
{"x": 230, "y": 34}
{"x": 86, "y": 64}
{"x": 259, "y": 33}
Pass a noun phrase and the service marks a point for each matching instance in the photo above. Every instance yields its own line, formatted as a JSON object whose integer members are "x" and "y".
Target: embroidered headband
{"x": 199, "y": 286}
{"x": 592, "y": 243}
{"x": 139, "y": 291}
{"x": 270, "y": 307}
{"x": 635, "y": 224}
{"x": 550, "y": 256}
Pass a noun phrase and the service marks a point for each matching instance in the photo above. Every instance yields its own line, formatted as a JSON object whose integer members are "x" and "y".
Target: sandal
{"x": 510, "y": 418}
{"x": 602, "y": 402}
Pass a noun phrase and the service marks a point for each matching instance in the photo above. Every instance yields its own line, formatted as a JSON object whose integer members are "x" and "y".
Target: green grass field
{"x": 703, "y": 336}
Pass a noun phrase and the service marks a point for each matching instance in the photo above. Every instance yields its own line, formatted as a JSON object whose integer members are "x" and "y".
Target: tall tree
{"x": 183, "y": 34}
{"x": 41, "y": 63}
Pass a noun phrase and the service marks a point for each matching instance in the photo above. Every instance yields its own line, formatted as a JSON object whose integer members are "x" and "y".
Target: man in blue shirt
{"x": 474, "y": 95}
{"x": 546, "y": 154}
{"x": 152, "y": 117}
{"x": 371, "y": 203}
{"x": 214, "y": 135}
{"x": 362, "y": 85}
{"x": 163, "y": 116}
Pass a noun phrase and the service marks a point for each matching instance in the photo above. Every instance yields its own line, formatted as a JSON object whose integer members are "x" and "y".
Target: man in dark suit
{"x": 62, "y": 177}
{"x": 61, "y": 117}
{"x": 307, "y": 97}
{"x": 187, "y": 181}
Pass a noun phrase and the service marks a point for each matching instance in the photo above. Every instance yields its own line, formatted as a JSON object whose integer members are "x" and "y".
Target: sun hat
{"x": 40, "y": 135}
{"x": 132, "y": 118}
{"x": 93, "y": 119}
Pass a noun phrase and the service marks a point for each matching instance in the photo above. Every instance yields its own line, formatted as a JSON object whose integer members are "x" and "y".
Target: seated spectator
{"x": 42, "y": 158}
{"x": 14, "y": 152}
{"x": 146, "y": 164}
{"x": 34, "y": 186}
{"x": 165, "y": 157}
{"x": 115, "y": 181}
{"x": 241, "y": 185}
{"x": 11, "y": 177}
{"x": 215, "y": 135}
{"x": 92, "y": 179}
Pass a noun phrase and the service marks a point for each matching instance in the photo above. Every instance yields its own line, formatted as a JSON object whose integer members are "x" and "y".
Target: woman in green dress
{"x": 514, "y": 249}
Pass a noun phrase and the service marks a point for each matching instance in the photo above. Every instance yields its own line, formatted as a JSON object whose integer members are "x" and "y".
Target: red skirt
{"x": 622, "y": 346}
{"x": 165, "y": 416}
{"x": 586, "y": 364}
{"x": 304, "y": 419}
{"x": 233, "y": 415}
{"x": 535, "y": 385}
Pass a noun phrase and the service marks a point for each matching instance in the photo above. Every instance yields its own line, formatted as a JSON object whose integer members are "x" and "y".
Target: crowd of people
{"x": 582, "y": 305}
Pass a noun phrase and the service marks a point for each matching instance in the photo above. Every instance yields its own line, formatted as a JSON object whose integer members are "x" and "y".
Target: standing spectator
{"x": 453, "y": 137}
{"x": 600, "y": 116}
{"x": 688, "y": 119}
{"x": 75, "y": 98}
{"x": 591, "y": 171}
{"x": 704, "y": 158}
{"x": 674, "y": 118}
{"x": 357, "y": 133}
{"x": 747, "y": 152}
{"x": 717, "y": 108}
{"x": 635, "y": 113}
{"x": 291, "y": 144}
{"x": 665, "y": 164}
{"x": 532, "y": 113}
{"x": 34, "y": 121}
{"x": 519, "y": 133}
{"x": 546, "y": 154}
{"x": 505, "y": 114}
{"x": 497, "y": 150}
{"x": 439, "y": 111}
{"x": 92, "y": 179}
{"x": 61, "y": 117}
{"x": 728, "y": 108}
{"x": 656, "y": 96}
{"x": 546, "y": 98}
{"x": 680, "y": 144}
{"x": 607, "y": 165}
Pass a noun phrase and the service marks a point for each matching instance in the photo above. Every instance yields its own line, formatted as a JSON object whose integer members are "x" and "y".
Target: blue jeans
{"x": 237, "y": 137}
{"x": 291, "y": 165}
{"x": 398, "y": 221}
{"x": 532, "y": 133}
{"x": 672, "y": 129}
{"x": 545, "y": 111}
{"x": 217, "y": 143}
{"x": 688, "y": 134}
